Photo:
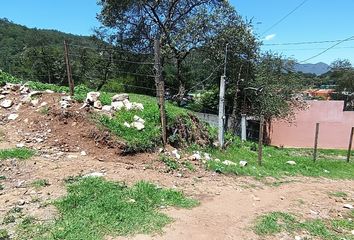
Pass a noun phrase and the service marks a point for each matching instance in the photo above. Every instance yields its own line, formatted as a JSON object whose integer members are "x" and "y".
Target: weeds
{"x": 40, "y": 183}
{"x": 338, "y": 194}
{"x": 326, "y": 229}
{"x": 94, "y": 208}
{"x": 18, "y": 153}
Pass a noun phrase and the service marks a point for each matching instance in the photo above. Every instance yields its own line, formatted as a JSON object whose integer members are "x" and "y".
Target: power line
{"x": 110, "y": 47}
{"x": 305, "y": 43}
{"x": 327, "y": 49}
{"x": 113, "y": 59}
{"x": 286, "y": 16}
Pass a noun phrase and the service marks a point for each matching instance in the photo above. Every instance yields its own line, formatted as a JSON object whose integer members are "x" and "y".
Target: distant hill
{"x": 318, "y": 68}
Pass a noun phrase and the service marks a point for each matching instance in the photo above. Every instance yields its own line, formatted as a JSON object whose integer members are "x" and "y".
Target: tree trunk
{"x": 234, "y": 108}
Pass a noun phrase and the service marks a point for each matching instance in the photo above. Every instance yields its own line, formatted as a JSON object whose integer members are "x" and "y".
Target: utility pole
{"x": 160, "y": 90}
{"x": 260, "y": 140}
{"x": 68, "y": 68}
{"x": 222, "y": 104}
{"x": 316, "y": 142}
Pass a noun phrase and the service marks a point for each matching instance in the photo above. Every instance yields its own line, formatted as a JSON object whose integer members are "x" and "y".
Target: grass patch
{"x": 94, "y": 208}
{"x": 18, "y": 153}
{"x": 4, "y": 235}
{"x": 330, "y": 164}
{"x": 326, "y": 229}
{"x": 40, "y": 183}
{"x": 338, "y": 194}
{"x": 171, "y": 163}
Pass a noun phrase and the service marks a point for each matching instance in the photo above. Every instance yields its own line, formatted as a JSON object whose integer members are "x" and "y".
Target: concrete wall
{"x": 335, "y": 127}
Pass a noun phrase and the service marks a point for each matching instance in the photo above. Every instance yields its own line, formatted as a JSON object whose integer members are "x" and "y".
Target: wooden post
{"x": 68, "y": 68}
{"x": 260, "y": 141}
{"x": 160, "y": 91}
{"x": 350, "y": 144}
{"x": 316, "y": 142}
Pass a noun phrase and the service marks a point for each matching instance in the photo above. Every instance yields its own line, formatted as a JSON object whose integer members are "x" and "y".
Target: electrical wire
{"x": 285, "y": 17}
{"x": 305, "y": 43}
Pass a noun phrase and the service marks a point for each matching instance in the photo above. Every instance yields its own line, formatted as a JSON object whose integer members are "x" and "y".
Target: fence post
{"x": 68, "y": 68}
{"x": 260, "y": 141}
{"x": 160, "y": 88}
{"x": 350, "y": 144}
{"x": 316, "y": 142}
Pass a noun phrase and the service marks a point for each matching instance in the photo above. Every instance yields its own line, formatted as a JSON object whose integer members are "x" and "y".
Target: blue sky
{"x": 316, "y": 20}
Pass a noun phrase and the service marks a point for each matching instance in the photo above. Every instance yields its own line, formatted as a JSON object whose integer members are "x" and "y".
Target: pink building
{"x": 335, "y": 127}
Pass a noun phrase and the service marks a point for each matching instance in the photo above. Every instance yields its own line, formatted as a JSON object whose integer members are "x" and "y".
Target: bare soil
{"x": 228, "y": 205}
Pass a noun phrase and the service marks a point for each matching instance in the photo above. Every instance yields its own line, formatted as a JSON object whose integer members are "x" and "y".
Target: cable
{"x": 115, "y": 60}
{"x": 114, "y": 49}
{"x": 286, "y": 16}
{"x": 305, "y": 43}
{"x": 326, "y": 49}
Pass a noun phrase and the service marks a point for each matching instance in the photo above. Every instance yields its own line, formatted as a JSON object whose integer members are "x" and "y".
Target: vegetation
{"x": 95, "y": 208}
{"x": 330, "y": 163}
{"x": 19, "y": 153}
{"x": 276, "y": 222}
{"x": 40, "y": 183}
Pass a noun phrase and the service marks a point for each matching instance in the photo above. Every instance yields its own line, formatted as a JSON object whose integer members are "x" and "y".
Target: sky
{"x": 310, "y": 20}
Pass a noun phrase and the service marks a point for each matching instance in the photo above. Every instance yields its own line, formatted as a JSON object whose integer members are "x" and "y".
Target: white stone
{"x": 34, "y": 102}
{"x": 298, "y": 238}
{"x": 138, "y": 119}
{"x": 117, "y": 105}
{"x": 138, "y": 125}
{"x": 94, "y": 174}
{"x": 12, "y": 116}
{"x": 228, "y": 163}
{"x": 97, "y": 104}
{"x": 217, "y": 160}
{"x": 24, "y": 90}
{"x": 127, "y": 124}
{"x": 66, "y": 98}
{"x": 34, "y": 93}
{"x": 352, "y": 232}
{"x": 107, "y": 108}
{"x": 18, "y": 106}
{"x": 176, "y": 154}
{"x": 64, "y": 104}
{"x": 207, "y": 156}
{"x": 195, "y": 156}
{"x": 2, "y": 96}
{"x": 49, "y": 91}
{"x": 20, "y": 145}
{"x": 128, "y": 105}
{"x": 137, "y": 106}
{"x": 120, "y": 97}
{"x": 83, "y": 153}
{"x": 348, "y": 206}
{"x": 92, "y": 97}
{"x": 6, "y": 103}
{"x": 291, "y": 162}
{"x": 243, "y": 163}
{"x": 43, "y": 104}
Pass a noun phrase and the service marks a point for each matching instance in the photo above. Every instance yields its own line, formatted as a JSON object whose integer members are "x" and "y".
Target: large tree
{"x": 182, "y": 26}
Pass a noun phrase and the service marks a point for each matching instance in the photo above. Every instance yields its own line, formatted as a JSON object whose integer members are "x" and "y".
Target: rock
{"x": 43, "y": 104}
{"x": 34, "y": 102}
{"x": 49, "y": 91}
{"x": 94, "y": 174}
{"x": 34, "y": 93}
{"x": 138, "y": 119}
{"x": 12, "y": 116}
{"x": 2, "y": 96}
{"x": 137, "y": 106}
{"x": 120, "y": 97}
{"x": 138, "y": 125}
{"x": 243, "y": 163}
{"x": 107, "y": 108}
{"x": 6, "y": 103}
{"x": 66, "y": 98}
{"x": 20, "y": 145}
{"x": 64, "y": 104}
{"x": 117, "y": 105}
{"x": 83, "y": 153}
{"x": 21, "y": 202}
{"x": 97, "y": 104}
{"x": 127, "y": 124}
{"x": 92, "y": 97}
{"x": 12, "y": 86}
{"x": 352, "y": 232}
{"x": 176, "y": 154}
{"x": 348, "y": 206}
{"x": 24, "y": 90}
{"x": 72, "y": 156}
{"x": 217, "y": 160}
{"x": 207, "y": 156}
{"x": 128, "y": 105}
{"x": 18, "y": 106}
{"x": 229, "y": 163}
{"x": 195, "y": 157}
{"x": 291, "y": 162}
{"x": 298, "y": 238}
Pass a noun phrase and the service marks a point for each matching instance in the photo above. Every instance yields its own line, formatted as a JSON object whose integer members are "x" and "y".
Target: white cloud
{"x": 269, "y": 37}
